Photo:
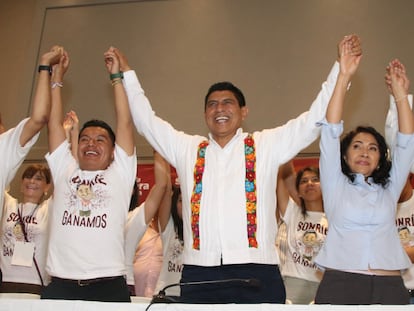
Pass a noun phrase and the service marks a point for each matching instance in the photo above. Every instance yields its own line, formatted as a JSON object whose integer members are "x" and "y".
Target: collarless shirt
{"x": 223, "y": 222}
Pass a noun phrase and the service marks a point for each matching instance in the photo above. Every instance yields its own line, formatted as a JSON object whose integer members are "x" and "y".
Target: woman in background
{"x": 25, "y": 226}
{"x": 170, "y": 221}
{"x": 306, "y": 229}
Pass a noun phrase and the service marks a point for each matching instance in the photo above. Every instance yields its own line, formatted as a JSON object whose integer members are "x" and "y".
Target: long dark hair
{"x": 178, "y": 222}
{"x": 299, "y": 175}
{"x": 382, "y": 173}
{"x": 133, "y": 203}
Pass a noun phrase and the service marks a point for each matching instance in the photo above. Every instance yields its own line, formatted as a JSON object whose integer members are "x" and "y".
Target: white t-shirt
{"x": 35, "y": 218}
{"x": 134, "y": 231}
{"x": 172, "y": 249}
{"x": 405, "y": 225}
{"x": 89, "y": 216}
{"x": 305, "y": 237}
{"x": 12, "y": 154}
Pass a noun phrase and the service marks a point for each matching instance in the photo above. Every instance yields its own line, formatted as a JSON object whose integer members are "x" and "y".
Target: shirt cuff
{"x": 335, "y": 129}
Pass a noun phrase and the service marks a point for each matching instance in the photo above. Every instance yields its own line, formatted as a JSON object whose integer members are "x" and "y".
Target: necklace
{"x": 250, "y": 190}
{"x": 20, "y": 222}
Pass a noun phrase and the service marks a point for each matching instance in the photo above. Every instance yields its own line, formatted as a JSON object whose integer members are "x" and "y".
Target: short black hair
{"x": 382, "y": 173}
{"x": 226, "y": 86}
{"x": 99, "y": 123}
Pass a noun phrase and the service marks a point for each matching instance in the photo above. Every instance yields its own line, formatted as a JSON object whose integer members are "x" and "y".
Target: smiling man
{"x": 86, "y": 259}
{"x": 224, "y": 110}
{"x": 228, "y": 183}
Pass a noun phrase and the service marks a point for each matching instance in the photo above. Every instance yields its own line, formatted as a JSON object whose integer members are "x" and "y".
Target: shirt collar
{"x": 236, "y": 136}
{"x": 360, "y": 180}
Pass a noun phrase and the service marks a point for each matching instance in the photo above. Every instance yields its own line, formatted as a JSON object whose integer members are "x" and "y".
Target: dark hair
{"x": 31, "y": 170}
{"x": 99, "y": 123}
{"x": 403, "y": 228}
{"x": 382, "y": 173}
{"x": 299, "y": 175}
{"x": 178, "y": 222}
{"x": 310, "y": 231}
{"x": 133, "y": 203}
{"x": 226, "y": 86}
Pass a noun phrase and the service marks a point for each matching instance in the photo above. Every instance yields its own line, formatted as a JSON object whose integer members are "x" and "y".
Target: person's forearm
{"x": 39, "y": 115}
{"x": 124, "y": 124}
{"x": 405, "y": 116}
{"x": 335, "y": 107}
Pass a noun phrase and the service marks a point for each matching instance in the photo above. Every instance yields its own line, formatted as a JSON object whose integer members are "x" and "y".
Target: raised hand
{"x": 123, "y": 61}
{"x": 52, "y": 57}
{"x": 111, "y": 61}
{"x": 349, "y": 54}
{"x": 396, "y": 79}
{"x": 60, "y": 68}
{"x": 71, "y": 121}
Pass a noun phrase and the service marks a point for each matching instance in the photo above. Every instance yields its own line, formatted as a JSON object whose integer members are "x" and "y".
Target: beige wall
{"x": 277, "y": 51}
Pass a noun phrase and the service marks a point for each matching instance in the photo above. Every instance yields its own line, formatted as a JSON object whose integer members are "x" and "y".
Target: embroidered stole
{"x": 250, "y": 190}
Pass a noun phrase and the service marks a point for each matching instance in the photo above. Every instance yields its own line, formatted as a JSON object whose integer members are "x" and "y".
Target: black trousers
{"x": 268, "y": 288}
{"x": 345, "y": 288}
{"x": 106, "y": 289}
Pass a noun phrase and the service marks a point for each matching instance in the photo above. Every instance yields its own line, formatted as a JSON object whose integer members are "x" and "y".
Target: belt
{"x": 411, "y": 292}
{"x": 86, "y": 282}
{"x": 12, "y": 287}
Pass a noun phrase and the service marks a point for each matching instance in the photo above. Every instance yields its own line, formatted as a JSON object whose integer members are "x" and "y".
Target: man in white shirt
{"x": 86, "y": 259}
{"x": 228, "y": 183}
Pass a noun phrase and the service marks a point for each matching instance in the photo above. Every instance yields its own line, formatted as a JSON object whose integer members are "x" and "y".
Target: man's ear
{"x": 245, "y": 112}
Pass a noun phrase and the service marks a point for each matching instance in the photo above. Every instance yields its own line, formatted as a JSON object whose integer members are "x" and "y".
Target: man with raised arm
{"x": 86, "y": 259}
{"x": 228, "y": 182}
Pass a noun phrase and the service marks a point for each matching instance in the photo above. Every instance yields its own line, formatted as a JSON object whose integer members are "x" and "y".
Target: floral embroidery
{"x": 197, "y": 190}
{"x": 250, "y": 189}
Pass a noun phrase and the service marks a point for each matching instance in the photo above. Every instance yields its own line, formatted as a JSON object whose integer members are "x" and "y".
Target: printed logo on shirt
{"x": 87, "y": 202}
{"x": 309, "y": 241}
{"x": 13, "y": 231}
{"x": 403, "y": 225}
{"x": 175, "y": 256}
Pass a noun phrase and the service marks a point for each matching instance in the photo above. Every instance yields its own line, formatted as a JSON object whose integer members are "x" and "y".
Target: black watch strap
{"x": 46, "y": 68}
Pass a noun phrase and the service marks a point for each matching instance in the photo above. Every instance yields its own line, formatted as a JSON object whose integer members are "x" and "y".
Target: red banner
{"x": 300, "y": 163}
{"x": 145, "y": 179}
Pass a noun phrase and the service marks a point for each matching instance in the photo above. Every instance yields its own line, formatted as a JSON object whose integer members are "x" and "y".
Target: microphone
{"x": 161, "y": 297}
